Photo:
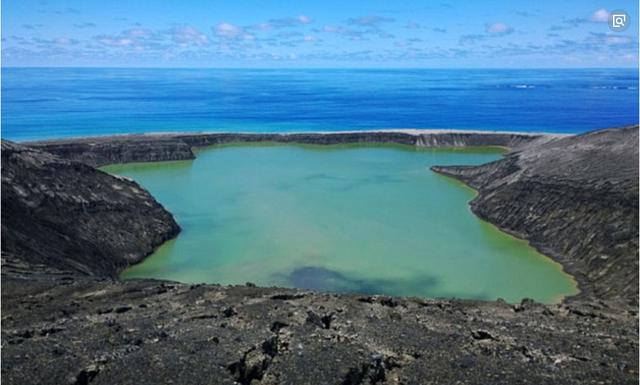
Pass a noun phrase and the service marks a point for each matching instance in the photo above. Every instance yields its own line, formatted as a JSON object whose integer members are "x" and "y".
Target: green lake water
{"x": 366, "y": 219}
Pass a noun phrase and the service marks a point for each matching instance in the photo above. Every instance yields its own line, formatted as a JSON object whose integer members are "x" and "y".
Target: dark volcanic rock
{"x": 56, "y": 332}
{"x": 118, "y": 149}
{"x": 70, "y": 216}
{"x": 575, "y": 199}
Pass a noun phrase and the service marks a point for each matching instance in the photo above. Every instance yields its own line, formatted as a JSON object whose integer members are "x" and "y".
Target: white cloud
{"x": 139, "y": 32}
{"x": 600, "y": 16}
{"x": 116, "y": 42}
{"x": 617, "y": 40}
{"x": 55, "y": 42}
{"x": 332, "y": 29}
{"x": 264, "y": 26}
{"x": 228, "y": 30}
{"x": 187, "y": 35}
{"x": 65, "y": 41}
{"x": 137, "y": 37}
{"x": 607, "y": 39}
{"x": 370, "y": 21}
{"x": 286, "y": 22}
{"x": 498, "y": 28}
{"x": 304, "y": 19}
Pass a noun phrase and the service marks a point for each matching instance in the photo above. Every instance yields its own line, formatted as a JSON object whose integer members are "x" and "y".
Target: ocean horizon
{"x": 48, "y": 103}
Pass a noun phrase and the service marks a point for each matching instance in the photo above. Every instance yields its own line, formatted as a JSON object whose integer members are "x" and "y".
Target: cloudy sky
{"x": 313, "y": 33}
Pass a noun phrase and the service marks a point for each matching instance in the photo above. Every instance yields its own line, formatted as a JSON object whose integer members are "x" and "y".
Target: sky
{"x": 312, "y": 33}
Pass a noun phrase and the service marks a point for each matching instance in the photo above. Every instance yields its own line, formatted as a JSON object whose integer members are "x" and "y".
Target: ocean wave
{"x": 613, "y": 88}
{"x": 37, "y": 100}
{"x": 516, "y": 86}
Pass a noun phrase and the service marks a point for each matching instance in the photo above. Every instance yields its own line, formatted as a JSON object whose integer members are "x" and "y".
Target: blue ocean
{"x": 39, "y": 103}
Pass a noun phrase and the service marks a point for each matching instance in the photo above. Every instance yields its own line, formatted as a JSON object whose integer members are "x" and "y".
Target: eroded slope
{"x": 575, "y": 199}
{"x": 70, "y": 216}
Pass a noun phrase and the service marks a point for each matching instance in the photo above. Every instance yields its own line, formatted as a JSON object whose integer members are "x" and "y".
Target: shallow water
{"x": 369, "y": 219}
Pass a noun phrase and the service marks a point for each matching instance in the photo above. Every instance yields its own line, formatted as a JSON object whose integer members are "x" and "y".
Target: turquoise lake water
{"x": 366, "y": 219}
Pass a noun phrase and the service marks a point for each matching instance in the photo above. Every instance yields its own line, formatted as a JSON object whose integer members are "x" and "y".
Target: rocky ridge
{"x": 99, "y": 151}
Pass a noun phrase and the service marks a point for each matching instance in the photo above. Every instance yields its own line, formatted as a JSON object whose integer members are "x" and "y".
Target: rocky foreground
{"x": 67, "y": 228}
{"x": 65, "y": 329}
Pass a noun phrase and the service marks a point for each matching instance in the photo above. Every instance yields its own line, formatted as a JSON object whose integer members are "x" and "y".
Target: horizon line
{"x": 314, "y": 68}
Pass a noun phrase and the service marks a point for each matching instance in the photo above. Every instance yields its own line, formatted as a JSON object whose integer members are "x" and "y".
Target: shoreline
{"x": 174, "y": 134}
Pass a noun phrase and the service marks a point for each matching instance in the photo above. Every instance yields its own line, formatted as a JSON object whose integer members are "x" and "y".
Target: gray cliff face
{"x": 70, "y": 216}
{"x": 110, "y": 150}
{"x": 101, "y": 151}
{"x": 462, "y": 139}
{"x": 575, "y": 199}
{"x": 67, "y": 228}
